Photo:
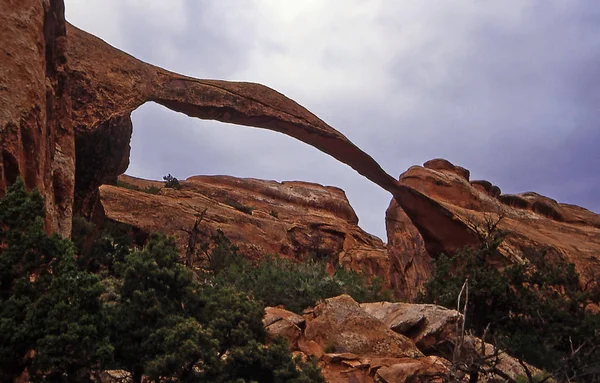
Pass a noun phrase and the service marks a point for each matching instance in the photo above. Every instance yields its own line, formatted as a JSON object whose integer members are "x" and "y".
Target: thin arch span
{"x": 108, "y": 84}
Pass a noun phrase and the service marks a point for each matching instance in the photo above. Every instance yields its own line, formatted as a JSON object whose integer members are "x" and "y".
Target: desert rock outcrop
{"x": 382, "y": 341}
{"x": 292, "y": 219}
{"x": 532, "y": 221}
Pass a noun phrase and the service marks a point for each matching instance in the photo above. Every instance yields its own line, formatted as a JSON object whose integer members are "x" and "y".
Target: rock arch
{"x": 108, "y": 84}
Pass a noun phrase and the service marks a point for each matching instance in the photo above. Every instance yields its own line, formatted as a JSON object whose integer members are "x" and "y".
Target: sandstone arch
{"x": 108, "y": 84}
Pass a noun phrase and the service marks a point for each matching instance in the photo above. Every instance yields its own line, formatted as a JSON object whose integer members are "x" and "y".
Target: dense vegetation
{"x": 281, "y": 281}
{"x": 66, "y": 314}
{"x": 536, "y": 311}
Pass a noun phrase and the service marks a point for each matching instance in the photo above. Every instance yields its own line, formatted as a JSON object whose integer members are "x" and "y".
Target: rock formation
{"x": 296, "y": 219}
{"x": 108, "y": 84}
{"x": 36, "y": 137}
{"x": 105, "y": 85}
{"x": 382, "y": 341}
{"x": 532, "y": 221}
{"x": 292, "y": 219}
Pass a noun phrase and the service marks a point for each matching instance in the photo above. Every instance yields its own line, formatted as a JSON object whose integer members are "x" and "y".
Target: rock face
{"x": 36, "y": 138}
{"x": 410, "y": 263}
{"x": 382, "y": 341}
{"x": 293, "y": 219}
{"x": 533, "y": 221}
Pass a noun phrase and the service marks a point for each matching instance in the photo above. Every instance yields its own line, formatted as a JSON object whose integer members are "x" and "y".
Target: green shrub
{"x": 239, "y": 206}
{"x": 171, "y": 182}
{"x": 281, "y": 281}
{"x": 46, "y": 303}
{"x": 149, "y": 189}
{"x": 169, "y": 326}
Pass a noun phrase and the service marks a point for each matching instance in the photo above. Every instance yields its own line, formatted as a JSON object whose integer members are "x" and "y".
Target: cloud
{"x": 507, "y": 89}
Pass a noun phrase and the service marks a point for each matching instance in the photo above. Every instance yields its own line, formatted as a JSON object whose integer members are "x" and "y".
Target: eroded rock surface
{"x": 533, "y": 221}
{"x": 383, "y": 341}
{"x": 36, "y": 138}
{"x": 292, "y": 219}
{"x": 410, "y": 263}
{"x": 428, "y": 326}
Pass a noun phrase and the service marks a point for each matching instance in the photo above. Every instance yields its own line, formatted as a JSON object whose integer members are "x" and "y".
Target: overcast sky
{"x": 509, "y": 89}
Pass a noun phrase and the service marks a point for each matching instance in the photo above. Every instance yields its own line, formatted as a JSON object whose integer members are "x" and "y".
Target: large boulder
{"x": 389, "y": 342}
{"x": 340, "y": 325}
{"x": 282, "y": 323}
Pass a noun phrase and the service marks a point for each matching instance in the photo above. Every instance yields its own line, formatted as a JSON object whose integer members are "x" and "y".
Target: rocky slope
{"x": 296, "y": 219}
{"x": 383, "y": 342}
{"x": 292, "y": 219}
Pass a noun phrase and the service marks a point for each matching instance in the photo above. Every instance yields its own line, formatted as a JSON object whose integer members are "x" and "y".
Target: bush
{"x": 281, "y": 281}
{"x": 168, "y": 326}
{"x": 239, "y": 206}
{"x": 149, "y": 189}
{"x": 171, "y": 182}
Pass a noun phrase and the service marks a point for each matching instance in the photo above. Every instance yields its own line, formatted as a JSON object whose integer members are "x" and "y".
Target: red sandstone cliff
{"x": 36, "y": 138}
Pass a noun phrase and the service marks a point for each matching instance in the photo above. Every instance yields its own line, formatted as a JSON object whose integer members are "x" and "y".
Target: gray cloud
{"x": 507, "y": 89}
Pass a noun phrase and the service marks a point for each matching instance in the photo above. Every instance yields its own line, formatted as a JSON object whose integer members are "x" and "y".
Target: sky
{"x": 507, "y": 89}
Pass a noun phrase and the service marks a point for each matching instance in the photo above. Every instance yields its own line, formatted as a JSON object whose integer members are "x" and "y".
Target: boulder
{"x": 532, "y": 221}
{"x": 342, "y": 326}
{"x": 431, "y": 327}
{"x": 282, "y": 323}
